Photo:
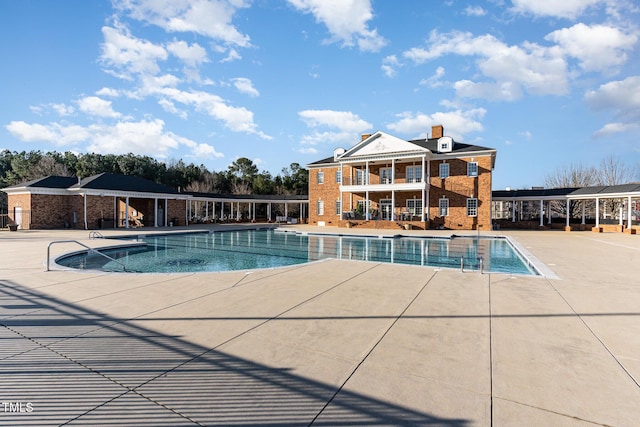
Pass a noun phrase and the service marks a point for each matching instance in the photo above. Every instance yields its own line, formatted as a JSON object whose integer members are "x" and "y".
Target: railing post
{"x": 462, "y": 264}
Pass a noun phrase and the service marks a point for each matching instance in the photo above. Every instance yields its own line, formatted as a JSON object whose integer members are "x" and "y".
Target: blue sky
{"x": 547, "y": 83}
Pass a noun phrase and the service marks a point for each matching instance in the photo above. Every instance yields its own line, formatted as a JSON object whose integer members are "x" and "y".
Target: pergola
{"x": 229, "y": 205}
{"x": 624, "y": 193}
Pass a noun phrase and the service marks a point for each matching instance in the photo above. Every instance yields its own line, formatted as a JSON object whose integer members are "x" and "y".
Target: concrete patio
{"x": 326, "y": 343}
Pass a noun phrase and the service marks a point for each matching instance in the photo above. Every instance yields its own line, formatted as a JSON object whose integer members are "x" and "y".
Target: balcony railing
{"x": 400, "y": 178}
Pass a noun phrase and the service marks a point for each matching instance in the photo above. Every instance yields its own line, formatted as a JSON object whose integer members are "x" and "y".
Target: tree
{"x": 243, "y": 170}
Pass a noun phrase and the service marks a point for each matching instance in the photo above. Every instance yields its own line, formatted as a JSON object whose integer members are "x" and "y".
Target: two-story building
{"x": 387, "y": 182}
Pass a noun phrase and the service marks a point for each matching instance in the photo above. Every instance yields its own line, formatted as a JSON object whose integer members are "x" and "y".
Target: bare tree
{"x": 614, "y": 171}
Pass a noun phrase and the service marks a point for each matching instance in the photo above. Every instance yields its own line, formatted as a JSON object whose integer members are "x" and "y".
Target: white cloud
{"x": 597, "y": 47}
{"x": 456, "y": 123}
{"x": 434, "y": 80}
{"x": 192, "y": 55}
{"x": 343, "y": 120}
{"x": 511, "y": 70}
{"x": 95, "y": 106}
{"x": 622, "y": 96}
{"x": 125, "y": 55}
{"x": 60, "y": 109}
{"x": 170, "y": 107}
{"x": 344, "y": 127}
{"x": 346, "y": 20}
{"x": 142, "y": 137}
{"x": 474, "y": 11}
{"x": 55, "y": 133}
{"x": 210, "y": 18}
{"x": 245, "y": 86}
{"x": 553, "y": 8}
{"x": 616, "y": 127}
{"x": 205, "y": 151}
{"x": 389, "y": 65}
{"x": 107, "y": 91}
{"x": 233, "y": 55}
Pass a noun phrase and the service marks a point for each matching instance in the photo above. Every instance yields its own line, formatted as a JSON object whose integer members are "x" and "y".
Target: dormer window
{"x": 445, "y": 144}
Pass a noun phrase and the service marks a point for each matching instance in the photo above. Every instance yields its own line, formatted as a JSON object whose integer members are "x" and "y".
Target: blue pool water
{"x": 251, "y": 249}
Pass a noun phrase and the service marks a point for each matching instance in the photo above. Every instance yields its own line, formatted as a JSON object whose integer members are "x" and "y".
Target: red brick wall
{"x": 328, "y": 192}
{"x": 22, "y": 201}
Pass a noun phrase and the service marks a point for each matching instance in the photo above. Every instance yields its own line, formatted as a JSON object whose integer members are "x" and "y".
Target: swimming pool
{"x": 268, "y": 248}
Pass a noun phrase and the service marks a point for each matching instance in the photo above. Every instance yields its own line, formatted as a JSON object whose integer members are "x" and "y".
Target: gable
{"x": 381, "y": 143}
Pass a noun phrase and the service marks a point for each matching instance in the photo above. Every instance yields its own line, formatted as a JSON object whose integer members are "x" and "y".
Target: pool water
{"x": 267, "y": 248}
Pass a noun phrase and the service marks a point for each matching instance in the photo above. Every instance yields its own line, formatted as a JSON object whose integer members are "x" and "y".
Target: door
{"x": 385, "y": 209}
{"x": 17, "y": 216}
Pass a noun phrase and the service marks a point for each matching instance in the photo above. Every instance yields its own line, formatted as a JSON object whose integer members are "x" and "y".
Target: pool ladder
{"x": 480, "y": 264}
{"x": 90, "y": 250}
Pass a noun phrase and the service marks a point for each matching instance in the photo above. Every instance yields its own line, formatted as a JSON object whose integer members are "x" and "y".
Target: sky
{"x": 546, "y": 83}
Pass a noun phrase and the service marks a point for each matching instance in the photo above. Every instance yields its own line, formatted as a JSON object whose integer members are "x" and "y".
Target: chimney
{"x": 437, "y": 131}
{"x": 365, "y": 136}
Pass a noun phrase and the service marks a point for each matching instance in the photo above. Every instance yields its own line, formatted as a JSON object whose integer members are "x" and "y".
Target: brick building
{"x": 387, "y": 182}
{"x": 100, "y": 201}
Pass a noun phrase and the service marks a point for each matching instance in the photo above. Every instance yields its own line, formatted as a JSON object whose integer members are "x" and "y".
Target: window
{"x": 360, "y": 178}
{"x": 320, "y": 207}
{"x": 360, "y": 206}
{"x": 414, "y": 206}
{"x": 472, "y": 169}
{"x": 385, "y": 175}
{"x": 444, "y": 170}
{"x": 320, "y": 177}
{"x": 338, "y": 207}
{"x": 414, "y": 173}
{"x": 443, "y": 207}
{"x": 339, "y": 176}
{"x": 472, "y": 207}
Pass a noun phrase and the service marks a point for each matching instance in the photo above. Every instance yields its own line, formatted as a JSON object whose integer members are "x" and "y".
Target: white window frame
{"x": 414, "y": 206}
{"x": 472, "y": 207}
{"x": 385, "y": 175}
{"x": 472, "y": 169}
{"x": 320, "y": 207}
{"x": 338, "y": 207}
{"x": 339, "y": 176}
{"x": 443, "y": 206}
{"x": 320, "y": 177}
{"x": 414, "y": 173}
{"x": 360, "y": 177}
{"x": 444, "y": 170}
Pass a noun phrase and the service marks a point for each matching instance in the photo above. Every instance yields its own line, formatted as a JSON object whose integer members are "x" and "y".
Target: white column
{"x": 549, "y": 212}
{"x": 155, "y": 212}
{"x": 393, "y": 171}
{"x": 126, "y": 212}
{"x": 428, "y": 201}
{"x": 115, "y": 212}
{"x": 286, "y": 210}
{"x": 366, "y": 200}
{"x": 393, "y": 205}
{"x": 423, "y": 201}
{"x": 269, "y": 212}
{"x": 620, "y": 213}
{"x": 541, "y": 213}
{"x": 166, "y": 211}
{"x": 597, "y": 212}
{"x": 584, "y": 206}
{"x": 213, "y": 208}
{"x": 513, "y": 211}
{"x": 629, "y": 212}
{"x": 568, "y": 207}
{"x": 222, "y": 210}
{"x": 206, "y": 208}
{"x": 85, "y": 211}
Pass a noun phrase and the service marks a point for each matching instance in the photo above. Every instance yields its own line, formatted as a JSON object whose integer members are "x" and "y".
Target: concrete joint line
{"x": 373, "y": 348}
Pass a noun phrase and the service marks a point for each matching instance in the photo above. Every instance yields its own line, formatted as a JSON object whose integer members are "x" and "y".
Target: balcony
{"x": 381, "y": 183}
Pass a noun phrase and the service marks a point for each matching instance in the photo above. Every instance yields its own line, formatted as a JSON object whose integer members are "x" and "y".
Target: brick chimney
{"x": 437, "y": 131}
{"x": 365, "y": 136}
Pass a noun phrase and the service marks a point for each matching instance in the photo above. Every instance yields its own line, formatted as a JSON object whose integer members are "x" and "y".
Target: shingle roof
{"x": 110, "y": 181}
{"x": 431, "y": 144}
{"x": 48, "y": 182}
{"x": 323, "y": 161}
{"x": 633, "y": 187}
{"x": 249, "y": 197}
{"x": 533, "y": 193}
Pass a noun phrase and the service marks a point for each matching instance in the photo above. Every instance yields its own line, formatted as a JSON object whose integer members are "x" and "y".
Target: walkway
{"x": 334, "y": 342}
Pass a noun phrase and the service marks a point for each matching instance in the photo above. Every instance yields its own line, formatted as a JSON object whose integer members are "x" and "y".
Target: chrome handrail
{"x": 90, "y": 249}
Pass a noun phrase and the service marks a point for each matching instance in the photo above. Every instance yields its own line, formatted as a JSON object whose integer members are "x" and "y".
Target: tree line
{"x": 241, "y": 177}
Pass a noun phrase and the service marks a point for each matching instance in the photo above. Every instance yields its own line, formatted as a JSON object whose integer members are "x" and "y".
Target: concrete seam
{"x": 373, "y": 348}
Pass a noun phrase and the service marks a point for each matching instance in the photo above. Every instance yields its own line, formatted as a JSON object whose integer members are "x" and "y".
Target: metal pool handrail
{"x": 90, "y": 249}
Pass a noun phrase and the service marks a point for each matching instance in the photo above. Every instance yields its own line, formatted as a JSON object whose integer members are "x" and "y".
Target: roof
{"x": 250, "y": 197}
{"x": 533, "y": 193}
{"x": 604, "y": 190}
{"x": 60, "y": 182}
{"x": 115, "y": 182}
{"x": 431, "y": 144}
